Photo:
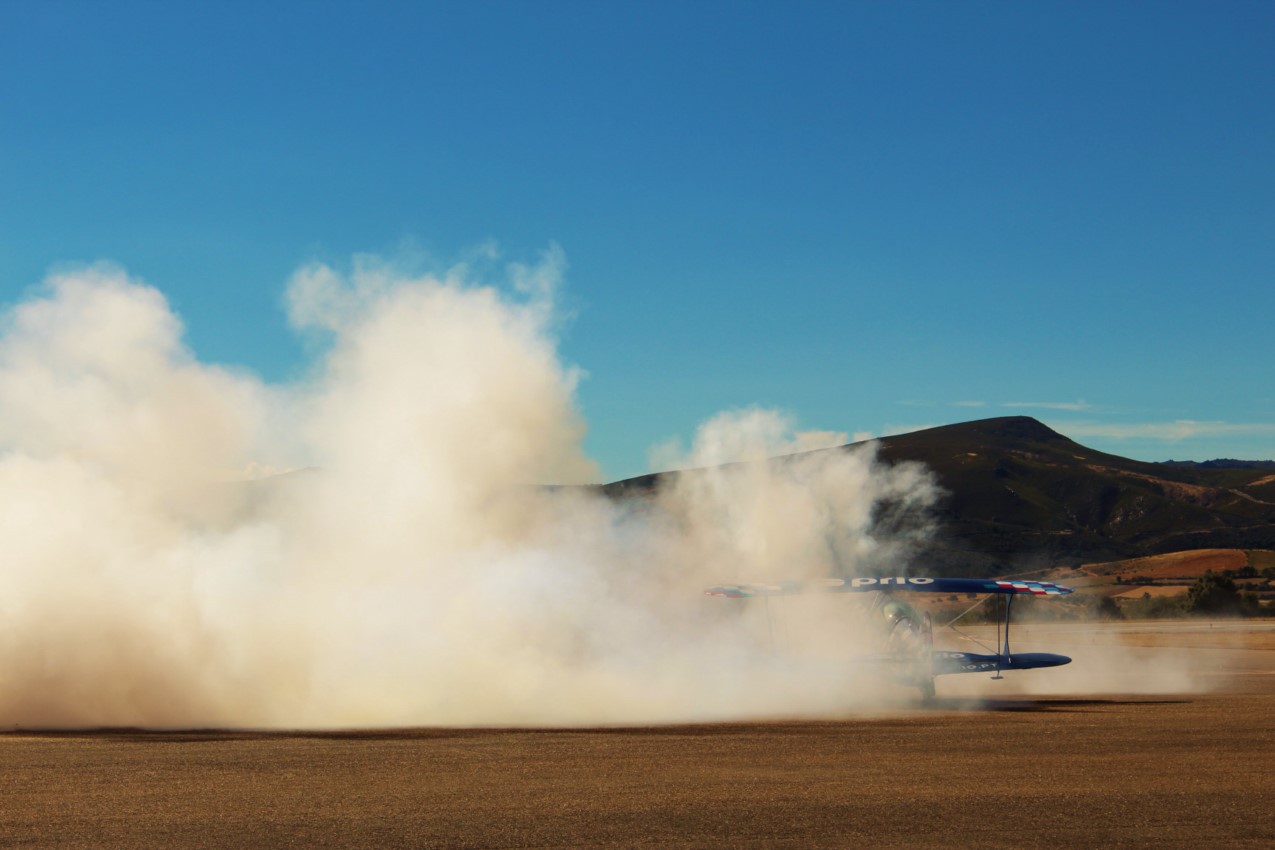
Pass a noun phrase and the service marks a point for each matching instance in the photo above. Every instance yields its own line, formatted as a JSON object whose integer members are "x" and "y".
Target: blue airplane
{"x": 909, "y": 637}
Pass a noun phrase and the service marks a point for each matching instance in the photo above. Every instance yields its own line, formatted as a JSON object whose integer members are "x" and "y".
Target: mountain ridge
{"x": 1018, "y": 494}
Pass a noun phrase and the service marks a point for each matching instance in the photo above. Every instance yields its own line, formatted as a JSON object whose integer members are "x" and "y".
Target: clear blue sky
{"x": 874, "y": 215}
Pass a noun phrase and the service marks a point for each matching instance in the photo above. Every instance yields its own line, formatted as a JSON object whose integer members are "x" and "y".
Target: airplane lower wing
{"x": 972, "y": 662}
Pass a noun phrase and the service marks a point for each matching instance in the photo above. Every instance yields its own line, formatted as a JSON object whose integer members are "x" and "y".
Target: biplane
{"x": 908, "y": 638}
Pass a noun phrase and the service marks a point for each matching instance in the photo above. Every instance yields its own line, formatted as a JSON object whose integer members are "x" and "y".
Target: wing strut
{"x": 1003, "y": 648}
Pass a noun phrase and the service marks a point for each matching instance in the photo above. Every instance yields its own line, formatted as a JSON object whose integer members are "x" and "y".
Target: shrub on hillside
{"x": 1218, "y": 595}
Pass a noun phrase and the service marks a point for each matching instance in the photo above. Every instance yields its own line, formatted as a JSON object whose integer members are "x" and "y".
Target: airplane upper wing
{"x": 866, "y": 583}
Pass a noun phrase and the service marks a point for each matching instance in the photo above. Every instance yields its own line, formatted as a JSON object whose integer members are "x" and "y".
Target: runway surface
{"x": 993, "y": 765}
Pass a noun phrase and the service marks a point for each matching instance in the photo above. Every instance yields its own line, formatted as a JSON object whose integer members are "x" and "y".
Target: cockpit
{"x": 903, "y": 627}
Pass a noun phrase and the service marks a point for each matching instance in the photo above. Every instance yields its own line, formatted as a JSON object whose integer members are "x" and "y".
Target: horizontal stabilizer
{"x": 867, "y": 583}
{"x": 972, "y": 662}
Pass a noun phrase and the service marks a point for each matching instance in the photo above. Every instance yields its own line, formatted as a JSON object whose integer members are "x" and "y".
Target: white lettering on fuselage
{"x": 899, "y": 581}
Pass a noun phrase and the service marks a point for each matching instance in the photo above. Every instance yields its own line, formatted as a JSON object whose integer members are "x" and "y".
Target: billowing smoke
{"x": 810, "y": 512}
{"x": 411, "y": 568}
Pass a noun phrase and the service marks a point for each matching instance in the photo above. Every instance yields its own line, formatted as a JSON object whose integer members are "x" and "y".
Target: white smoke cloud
{"x": 747, "y": 436}
{"x": 419, "y": 573}
{"x": 809, "y": 513}
{"x": 94, "y": 369}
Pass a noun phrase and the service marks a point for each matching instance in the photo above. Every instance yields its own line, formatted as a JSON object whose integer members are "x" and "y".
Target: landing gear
{"x": 925, "y": 664}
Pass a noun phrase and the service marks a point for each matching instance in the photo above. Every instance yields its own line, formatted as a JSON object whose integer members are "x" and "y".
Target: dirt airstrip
{"x": 993, "y": 765}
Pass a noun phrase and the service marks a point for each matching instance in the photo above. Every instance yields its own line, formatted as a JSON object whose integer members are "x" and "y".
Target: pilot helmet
{"x": 894, "y": 611}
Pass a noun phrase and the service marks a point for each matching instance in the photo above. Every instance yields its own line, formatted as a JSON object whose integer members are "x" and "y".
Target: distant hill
{"x": 1221, "y": 463}
{"x": 1022, "y": 496}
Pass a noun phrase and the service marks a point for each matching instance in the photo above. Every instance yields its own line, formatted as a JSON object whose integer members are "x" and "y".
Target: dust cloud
{"x": 188, "y": 545}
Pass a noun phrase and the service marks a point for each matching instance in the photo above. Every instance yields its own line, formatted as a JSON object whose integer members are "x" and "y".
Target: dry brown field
{"x": 1153, "y": 590}
{"x": 1191, "y": 564}
{"x": 994, "y": 764}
